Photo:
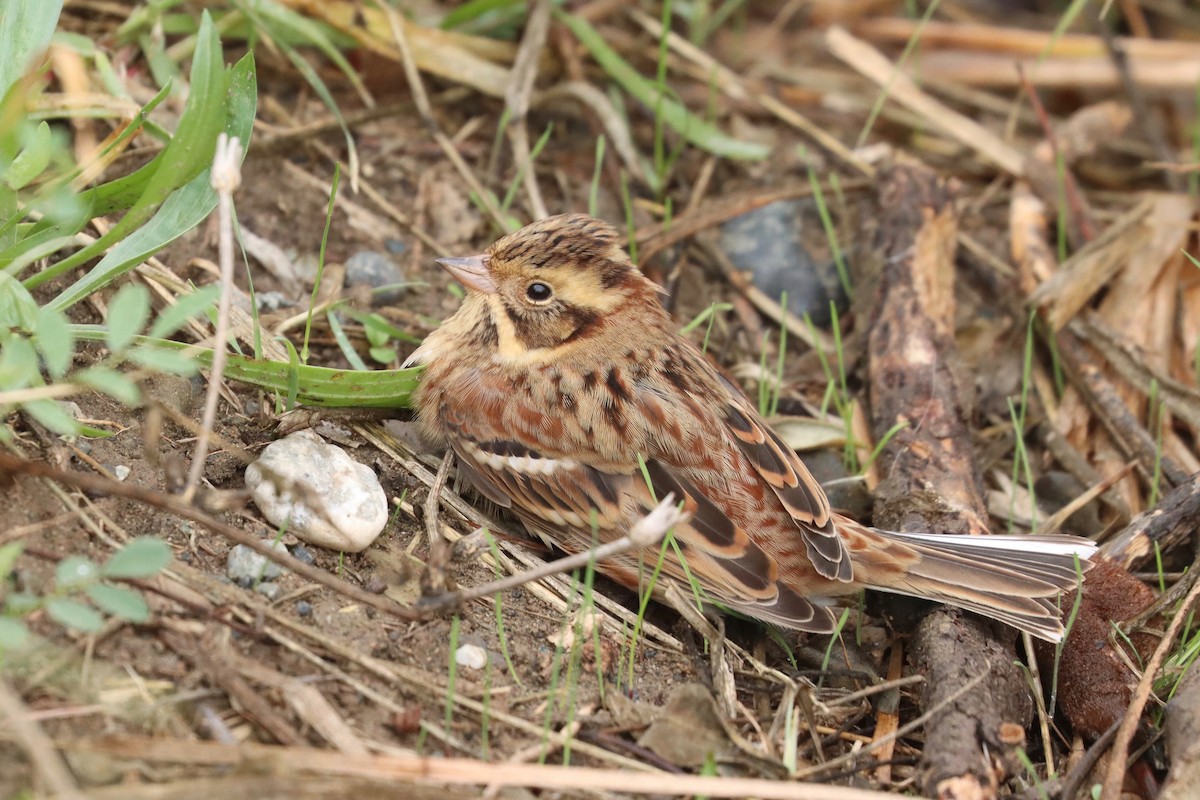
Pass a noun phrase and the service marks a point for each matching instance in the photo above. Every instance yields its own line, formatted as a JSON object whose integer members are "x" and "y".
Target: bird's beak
{"x": 471, "y": 272}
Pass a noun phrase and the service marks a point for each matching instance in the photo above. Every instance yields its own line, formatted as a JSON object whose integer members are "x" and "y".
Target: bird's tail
{"x": 1015, "y": 579}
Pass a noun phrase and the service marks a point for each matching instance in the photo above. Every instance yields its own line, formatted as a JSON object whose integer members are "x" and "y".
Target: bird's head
{"x": 554, "y": 284}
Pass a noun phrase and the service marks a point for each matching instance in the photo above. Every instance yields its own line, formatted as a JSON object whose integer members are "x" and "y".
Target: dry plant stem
{"x": 421, "y": 98}
{"x": 46, "y": 761}
{"x": 1120, "y": 749}
{"x": 903, "y": 730}
{"x": 206, "y": 658}
{"x": 732, "y": 85}
{"x": 1126, "y": 431}
{"x": 1071, "y": 783}
{"x": 1170, "y": 523}
{"x": 865, "y": 59}
{"x": 1059, "y": 518}
{"x": 524, "y": 73}
{"x": 615, "y": 126}
{"x": 175, "y": 505}
{"x": 1130, "y": 363}
{"x": 646, "y": 533}
{"x": 460, "y": 771}
{"x": 226, "y": 177}
{"x": 1143, "y": 116}
{"x": 1083, "y": 229}
{"x": 1074, "y": 462}
{"x": 932, "y": 483}
{"x": 433, "y": 578}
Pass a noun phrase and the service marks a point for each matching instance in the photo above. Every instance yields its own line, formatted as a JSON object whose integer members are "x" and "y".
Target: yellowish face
{"x": 551, "y": 285}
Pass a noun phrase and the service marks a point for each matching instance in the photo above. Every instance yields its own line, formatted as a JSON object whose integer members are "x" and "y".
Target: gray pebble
{"x": 272, "y": 301}
{"x": 269, "y": 590}
{"x": 767, "y": 242}
{"x": 303, "y": 554}
{"x": 375, "y": 270}
{"x": 304, "y": 608}
{"x": 245, "y": 564}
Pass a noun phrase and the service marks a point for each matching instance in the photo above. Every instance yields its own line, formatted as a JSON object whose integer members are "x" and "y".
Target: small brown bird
{"x": 561, "y": 375}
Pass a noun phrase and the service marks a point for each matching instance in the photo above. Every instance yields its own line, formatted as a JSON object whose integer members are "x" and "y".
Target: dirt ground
{"x": 221, "y": 662}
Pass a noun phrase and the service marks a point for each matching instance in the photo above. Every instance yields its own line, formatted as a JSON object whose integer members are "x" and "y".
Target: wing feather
{"x": 802, "y": 497}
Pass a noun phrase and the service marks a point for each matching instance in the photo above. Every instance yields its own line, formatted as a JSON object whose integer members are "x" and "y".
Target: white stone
{"x": 471, "y": 656}
{"x": 321, "y": 494}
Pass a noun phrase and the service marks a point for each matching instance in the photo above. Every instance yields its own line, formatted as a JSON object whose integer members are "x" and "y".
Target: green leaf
{"x": 688, "y": 125}
{"x": 18, "y": 309}
{"x": 25, "y": 30}
{"x": 75, "y": 571}
{"x": 183, "y": 210}
{"x": 119, "y": 601}
{"x": 33, "y": 159}
{"x": 382, "y": 354}
{"x": 13, "y": 634}
{"x": 189, "y": 306}
{"x": 121, "y": 193}
{"x": 188, "y": 154}
{"x": 143, "y": 557}
{"x": 160, "y": 359}
{"x": 51, "y": 414}
{"x": 127, "y": 315}
{"x": 9, "y": 553}
{"x": 113, "y": 383}
{"x": 18, "y": 364}
{"x": 74, "y": 614}
{"x": 55, "y": 341}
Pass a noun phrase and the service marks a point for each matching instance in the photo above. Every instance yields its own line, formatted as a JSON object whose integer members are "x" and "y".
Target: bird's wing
{"x": 574, "y": 505}
{"x": 801, "y": 495}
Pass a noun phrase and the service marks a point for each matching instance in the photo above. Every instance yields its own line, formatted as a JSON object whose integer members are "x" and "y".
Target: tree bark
{"x": 932, "y": 484}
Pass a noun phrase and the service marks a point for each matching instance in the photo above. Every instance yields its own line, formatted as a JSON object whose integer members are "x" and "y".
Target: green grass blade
{"x": 189, "y": 153}
{"x": 691, "y": 127}
{"x": 184, "y": 208}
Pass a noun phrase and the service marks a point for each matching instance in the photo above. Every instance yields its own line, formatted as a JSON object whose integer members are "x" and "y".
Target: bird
{"x": 569, "y": 397}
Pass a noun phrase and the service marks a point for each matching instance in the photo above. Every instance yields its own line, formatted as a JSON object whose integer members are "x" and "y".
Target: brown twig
{"x": 47, "y": 762}
{"x": 516, "y": 98}
{"x": 645, "y": 533}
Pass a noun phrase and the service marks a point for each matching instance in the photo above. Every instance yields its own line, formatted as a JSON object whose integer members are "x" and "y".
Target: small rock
{"x": 471, "y": 656}
{"x": 306, "y": 267}
{"x": 767, "y": 242}
{"x": 376, "y": 270}
{"x": 395, "y": 246}
{"x": 375, "y": 586}
{"x": 272, "y": 301}
{"x": 322, "y": 495}
{"x": 269, "y": 590}
{"x": 303, "y": 554}
{"x": 251, "y": 408}
{"x": 304, "y": 608}
{"x": 243, "y": 564}
{"x": 121, "y": 472}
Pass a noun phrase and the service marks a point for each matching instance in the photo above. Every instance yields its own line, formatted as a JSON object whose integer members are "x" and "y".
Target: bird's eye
{"x": 538, "y": 292}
